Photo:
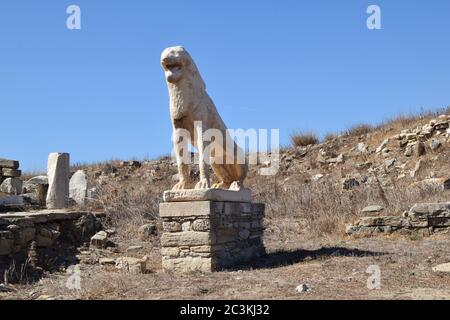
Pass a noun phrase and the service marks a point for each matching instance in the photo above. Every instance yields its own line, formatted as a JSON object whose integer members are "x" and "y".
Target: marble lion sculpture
{"x": 190, "y": 105}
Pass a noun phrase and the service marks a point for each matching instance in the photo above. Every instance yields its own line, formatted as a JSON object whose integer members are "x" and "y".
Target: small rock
{"x": 350, "y": 183}
{"x": 419, "y": 149}
{"x": 317, "y": 177}
{"x": 99, "y": 240}
{"x": 134, "y": 248}
{"x": 45, "y": 297}
{"x": 303, "y": 288}
{"x": 443, "y": 268}
{"x": 147, "y": 230}
{"x": 382, "y": 146}
{"x": 389, "y": 163}
{"x": 435, "y": 144}
{"x": 131, "y": 265}
{"x": 416, "y": 169}
{"x": 4, "y": 288}
{"x": 110, "y": 232}
{"x": 372, "y": 209}
{"x": 107, "y": 261}
{"x": 362, "y": 148}
{"x": 11, "y": 186}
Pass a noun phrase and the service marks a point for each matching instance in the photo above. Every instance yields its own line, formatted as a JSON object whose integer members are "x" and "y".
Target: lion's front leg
{"x": 181, "y": 153}
{"x": 204, "y": 182}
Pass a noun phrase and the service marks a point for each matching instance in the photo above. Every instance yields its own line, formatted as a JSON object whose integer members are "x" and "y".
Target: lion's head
{"x": 178, "y": 65}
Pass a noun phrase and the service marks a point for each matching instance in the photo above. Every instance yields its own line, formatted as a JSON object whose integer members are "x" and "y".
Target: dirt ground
{"x": 330, "y": 268}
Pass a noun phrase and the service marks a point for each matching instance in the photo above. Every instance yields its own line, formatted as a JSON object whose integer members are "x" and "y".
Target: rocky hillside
{"x": 318, "y": 188}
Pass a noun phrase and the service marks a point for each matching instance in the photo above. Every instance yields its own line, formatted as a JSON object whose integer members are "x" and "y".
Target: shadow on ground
{"x": 286, "y": 258}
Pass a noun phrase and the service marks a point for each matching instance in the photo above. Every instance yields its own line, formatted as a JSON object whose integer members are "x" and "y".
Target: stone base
{"x": 243, "y": 195}
{"x": 209, "y": 236}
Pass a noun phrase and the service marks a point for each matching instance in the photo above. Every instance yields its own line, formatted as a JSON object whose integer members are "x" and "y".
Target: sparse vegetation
{"x": 359, "y": 130}
{"x": 303, "y": 139}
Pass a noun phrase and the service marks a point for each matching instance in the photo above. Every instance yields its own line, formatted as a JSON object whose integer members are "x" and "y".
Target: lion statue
{"x": 192, "y": 111}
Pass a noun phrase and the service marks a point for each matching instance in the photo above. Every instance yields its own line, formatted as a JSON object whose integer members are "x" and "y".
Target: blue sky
{"x": 99, "y": 92}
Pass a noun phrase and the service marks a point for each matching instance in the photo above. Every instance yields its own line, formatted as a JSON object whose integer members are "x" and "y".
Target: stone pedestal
{"x": 206, "y": 235}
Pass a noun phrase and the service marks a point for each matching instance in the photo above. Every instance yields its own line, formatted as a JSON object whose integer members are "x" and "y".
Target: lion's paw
{"x": 236, "y": 186}
{"x": 203, "y": 184}
{"x": 219, "y": 185}
{"x": 182, "y": 185}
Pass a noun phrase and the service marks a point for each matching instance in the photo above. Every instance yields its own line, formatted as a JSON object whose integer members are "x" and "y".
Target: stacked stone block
{"x": 209, "y": 236}
{"x": 10, "y": 177}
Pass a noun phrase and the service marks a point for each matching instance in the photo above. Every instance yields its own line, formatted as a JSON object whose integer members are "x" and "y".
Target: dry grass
{"x": 359, "y": 130}
{"x": 322, "y": 208}
{"x": 303, "y": 139}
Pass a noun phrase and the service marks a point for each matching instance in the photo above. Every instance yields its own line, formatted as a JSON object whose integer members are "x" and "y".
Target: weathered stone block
{"x": 12, "y": 173}
{"x": 217, "y": 195}
{"x": 132, "y": 265}
{"x": 188, "y": 264}
{"x": 188, "y": 238}
{"x": 201, "y": 225}
{"x": 430, "y": 209}
{"x": 171, "y": 252}
{"x": 172, "y": 226}
{"x": 185, "y": 209}
{"x": 10, "y": 164}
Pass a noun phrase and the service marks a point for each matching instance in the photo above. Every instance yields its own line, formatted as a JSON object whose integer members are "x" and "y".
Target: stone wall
{"x": 210, "y": 235}
{"x": 425, "y": 218}
{"x": 46, "y": 229}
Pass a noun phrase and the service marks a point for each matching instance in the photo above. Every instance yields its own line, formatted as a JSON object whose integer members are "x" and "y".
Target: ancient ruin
{"x": 34, "y": 215}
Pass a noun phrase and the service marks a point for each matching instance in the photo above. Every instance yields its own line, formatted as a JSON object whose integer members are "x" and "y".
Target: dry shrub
{"x": 129, "y": 205}
{"x": 359, "y": 130}
{"x": 303, "y": 139}
{"x": 325, "y": 209}
{"x": 330, "y": 137}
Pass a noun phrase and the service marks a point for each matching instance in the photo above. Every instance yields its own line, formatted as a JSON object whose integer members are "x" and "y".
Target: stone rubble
{"x": 413, "y": 140}
{"x": 426, "y": 218}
